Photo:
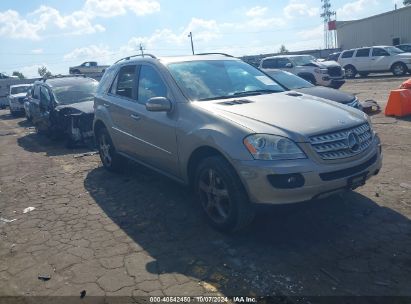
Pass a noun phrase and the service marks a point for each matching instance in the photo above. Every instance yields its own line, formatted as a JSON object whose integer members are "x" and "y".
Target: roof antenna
{"x": 141, "y": 49}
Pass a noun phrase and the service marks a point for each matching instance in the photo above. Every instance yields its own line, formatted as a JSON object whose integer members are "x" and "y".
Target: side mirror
{"x": 158, "y": 104}
{"x": 289, "y": 65}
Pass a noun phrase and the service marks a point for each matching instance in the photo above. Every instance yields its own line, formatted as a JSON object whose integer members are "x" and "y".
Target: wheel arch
{"x": 196, "y": 156}
{"x": 398, "y": 62}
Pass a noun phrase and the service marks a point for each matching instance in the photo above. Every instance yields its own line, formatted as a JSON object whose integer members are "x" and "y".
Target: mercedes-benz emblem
{"x": 353, "y": 142}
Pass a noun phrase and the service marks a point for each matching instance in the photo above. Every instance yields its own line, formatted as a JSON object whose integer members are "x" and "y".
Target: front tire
{"x": 222, "y": 196}
{"x": 350, "y": 71}
{"x": 109, "y": 157}
{"x": 399, "y": 69}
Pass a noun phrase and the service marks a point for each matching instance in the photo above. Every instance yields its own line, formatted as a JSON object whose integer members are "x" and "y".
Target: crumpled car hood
{"x": 299, "y": 115}
{"x": 86, "y": 107}
{"x": 325, "y": 64}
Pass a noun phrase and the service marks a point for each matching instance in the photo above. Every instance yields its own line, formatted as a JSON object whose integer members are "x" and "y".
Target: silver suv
{"x": 224, "y": 127}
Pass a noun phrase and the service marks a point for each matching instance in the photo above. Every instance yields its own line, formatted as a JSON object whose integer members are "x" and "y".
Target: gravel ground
{"x": 139, "y": 233}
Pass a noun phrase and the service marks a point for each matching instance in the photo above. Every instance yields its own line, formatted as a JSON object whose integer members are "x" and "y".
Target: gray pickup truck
{"x": 88, "y": 67}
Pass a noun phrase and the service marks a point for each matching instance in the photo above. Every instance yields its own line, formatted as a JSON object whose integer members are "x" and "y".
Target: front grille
{"x": 336, "y": 145}
{"x": 335, "y": 71}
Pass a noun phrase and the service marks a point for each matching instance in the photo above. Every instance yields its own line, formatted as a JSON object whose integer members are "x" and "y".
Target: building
{"x": 389, "y": 28}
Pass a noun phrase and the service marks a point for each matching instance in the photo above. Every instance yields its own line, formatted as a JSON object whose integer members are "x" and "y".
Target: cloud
{"x": 100, "y": 53}
{"x": 295, "y": 8}
{"x": 354, "y": 9}
{"x": 256, "y": 11}
{"x": 315, "y": 33}
{"x": 47, "y": 20}
{"x": 111, "y": 8}
{"x": 37, "y": 51}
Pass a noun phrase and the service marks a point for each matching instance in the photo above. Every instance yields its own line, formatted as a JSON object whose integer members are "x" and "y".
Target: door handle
{"x": 136, "y": 117}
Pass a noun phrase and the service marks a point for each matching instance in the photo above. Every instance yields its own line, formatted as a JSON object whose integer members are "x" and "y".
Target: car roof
{"x": 175, "y": 59}
{"x": 21, "y": 85}
{"x": 285, "y": 56}
{"x": 60, "y": 81}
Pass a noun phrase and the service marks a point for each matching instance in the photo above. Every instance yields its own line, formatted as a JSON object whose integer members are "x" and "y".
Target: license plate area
{"x": 357, "y": 181}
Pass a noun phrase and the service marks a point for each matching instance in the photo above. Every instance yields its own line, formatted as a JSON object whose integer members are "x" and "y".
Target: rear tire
{"x": 222, "y": 196}
{"x": 109, "y": 157}
{"x": 350, "y": 71}
{"x": 399, "y": 69}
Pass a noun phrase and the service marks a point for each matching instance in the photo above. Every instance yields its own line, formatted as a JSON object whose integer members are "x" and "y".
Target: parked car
{"x": 376, "y": 59}
{"x": 333, "y": 56}
{"x": 16, "y": 98}
{"x": 295, "y": 83}
{"x": 325, "y": 73}
{"x": 28, "y": 104}
{"x": 88, "y": 67}
{"x": 63, "y": 106}
{"x": 231, "y": 132}
{"x": 406, "y": 47}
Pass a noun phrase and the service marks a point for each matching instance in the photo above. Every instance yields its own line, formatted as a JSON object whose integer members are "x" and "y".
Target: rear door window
{"x": 363, "y": 53}
{"x": 123, "y": 84}
{"x": 269, "y": 64}
{"x": 347, "y": 54}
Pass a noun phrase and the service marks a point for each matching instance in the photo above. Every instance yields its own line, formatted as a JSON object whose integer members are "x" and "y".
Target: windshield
{"x": 75, "y": 92}
{"x": 19, "y": 90}
{"x": 290, "y": 81}
{"x": 303, "y": 60}
{"x": 217, "y": 79}
{"x": 393, "y": 50}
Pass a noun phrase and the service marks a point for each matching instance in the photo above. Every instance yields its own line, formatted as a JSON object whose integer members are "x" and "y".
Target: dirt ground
{"x": 139, "y": 233}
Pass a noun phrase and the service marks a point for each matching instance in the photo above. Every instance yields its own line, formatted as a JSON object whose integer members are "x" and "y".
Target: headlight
{"x": 272, "y": 147}
{"x": 321, "y": 71}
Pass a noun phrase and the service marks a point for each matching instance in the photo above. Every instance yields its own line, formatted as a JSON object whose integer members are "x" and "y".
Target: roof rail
{"x": 138, "y": 55}
{"x": 62, "y": 76}
{"x": 224, "y": 54}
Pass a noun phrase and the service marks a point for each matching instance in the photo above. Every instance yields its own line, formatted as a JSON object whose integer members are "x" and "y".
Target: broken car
{"x": 63, "y": 106}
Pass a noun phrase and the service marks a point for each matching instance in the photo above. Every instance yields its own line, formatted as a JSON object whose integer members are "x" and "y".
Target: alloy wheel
{"x": 214, "y": 196}
{"x": 105, "y": 147}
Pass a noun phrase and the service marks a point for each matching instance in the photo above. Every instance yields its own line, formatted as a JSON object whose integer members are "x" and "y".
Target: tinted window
{"x": 282, "y": 62}
{"x": 202, "y": 80}
{"x": 269, "y": 64}
{"x": 379, "y": 52}
{"x": 73, "y": 91}
{"x": 347, "y": 54}
{"x": 363, "y": 53}
{"x": 150, "y": 84}
{"x": 290, "y": 81}
{"x": 45, "y": 98}
{"x": 18, "y": 90}
{"x": 123, "y": 84}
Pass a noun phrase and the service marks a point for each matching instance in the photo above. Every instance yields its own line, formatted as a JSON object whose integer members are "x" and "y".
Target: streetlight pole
{"x": 191, "y": 38}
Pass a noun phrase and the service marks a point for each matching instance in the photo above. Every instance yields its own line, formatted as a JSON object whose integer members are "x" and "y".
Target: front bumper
{"x": 320, "y": 180}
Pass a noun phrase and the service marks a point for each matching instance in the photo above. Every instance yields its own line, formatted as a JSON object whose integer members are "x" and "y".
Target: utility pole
{"x": 191, "y": 38}
{"x": 142, "y": 49}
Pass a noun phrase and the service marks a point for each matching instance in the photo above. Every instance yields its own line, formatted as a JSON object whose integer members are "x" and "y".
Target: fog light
{"x": 286, "y": 181}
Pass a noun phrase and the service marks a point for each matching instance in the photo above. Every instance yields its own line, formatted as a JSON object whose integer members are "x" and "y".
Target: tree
{"x": 284, "y": 50}
{"x": 43, "y": 72}
{"x": 18, "y": 74}
{"x": 407, "y": 2}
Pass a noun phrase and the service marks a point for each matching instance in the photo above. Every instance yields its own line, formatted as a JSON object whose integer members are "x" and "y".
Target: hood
{"x": 404, "y": 55}
{"x": 328, "y": 93}
{"x": 87, "y": 107}
{"x": 291, "y": 113}
{"x": 325, "y": 64}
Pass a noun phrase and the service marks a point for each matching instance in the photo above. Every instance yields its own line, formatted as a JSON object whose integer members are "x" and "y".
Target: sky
{"x": 60, "y": 34}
